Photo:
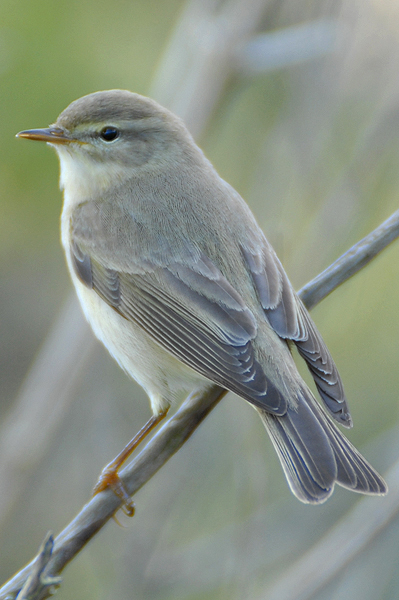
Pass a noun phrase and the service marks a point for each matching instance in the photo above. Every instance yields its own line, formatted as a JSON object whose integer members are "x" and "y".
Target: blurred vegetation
{"x": 314, "y": 149}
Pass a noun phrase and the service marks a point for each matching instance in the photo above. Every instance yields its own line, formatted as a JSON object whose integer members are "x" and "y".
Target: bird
{"x": 180, "y": 284}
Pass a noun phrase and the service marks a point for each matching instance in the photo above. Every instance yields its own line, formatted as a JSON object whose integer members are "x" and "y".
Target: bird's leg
{"x": 109, "y": 475}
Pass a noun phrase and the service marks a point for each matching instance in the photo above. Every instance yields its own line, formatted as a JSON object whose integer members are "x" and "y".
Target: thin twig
{"x": 351, "y": 262}
{"x": 179, "y": 428}
{"x": 37, "y": 581}
{"x": 103, "y": 506}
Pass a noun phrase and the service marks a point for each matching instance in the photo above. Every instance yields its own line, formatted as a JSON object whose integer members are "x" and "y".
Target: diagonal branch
{"x": 351, "y": 262}
{"x": 179, "y": 427}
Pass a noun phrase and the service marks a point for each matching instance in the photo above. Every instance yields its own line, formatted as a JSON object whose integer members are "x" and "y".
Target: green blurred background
{"x": 310, "y": 139}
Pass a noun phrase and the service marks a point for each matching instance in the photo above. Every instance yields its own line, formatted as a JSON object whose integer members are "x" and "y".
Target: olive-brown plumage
{"x": 181, "y": 285}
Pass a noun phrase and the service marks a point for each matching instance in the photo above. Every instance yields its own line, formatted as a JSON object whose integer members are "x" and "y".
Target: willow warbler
{"x": 180, "y": 284}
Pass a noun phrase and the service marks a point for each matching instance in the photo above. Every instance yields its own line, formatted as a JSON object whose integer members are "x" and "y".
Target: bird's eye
{"x": 109, "y": 133}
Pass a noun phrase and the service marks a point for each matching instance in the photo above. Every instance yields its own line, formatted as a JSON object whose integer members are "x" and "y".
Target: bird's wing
{"x": 290, "y": 320}
{"x": 194, "y": 313}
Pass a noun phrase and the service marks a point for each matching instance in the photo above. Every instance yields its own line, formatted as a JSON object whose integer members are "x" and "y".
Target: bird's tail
{"x": 315, "y": 454}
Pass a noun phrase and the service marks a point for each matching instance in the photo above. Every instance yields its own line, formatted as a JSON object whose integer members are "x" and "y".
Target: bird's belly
{"x": 162, "y": 376}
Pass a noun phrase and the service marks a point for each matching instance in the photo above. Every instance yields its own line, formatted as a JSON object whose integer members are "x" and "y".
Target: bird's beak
{"x": 52, "y": 135}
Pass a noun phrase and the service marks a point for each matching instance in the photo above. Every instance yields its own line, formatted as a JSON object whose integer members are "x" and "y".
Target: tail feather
{"x": 315, "y": 455}
{"x": 354, "y": 472}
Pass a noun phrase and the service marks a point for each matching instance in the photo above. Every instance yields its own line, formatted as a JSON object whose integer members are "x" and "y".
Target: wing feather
{"x": 210, "y": 331}
{"x": 290, "y": 320}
